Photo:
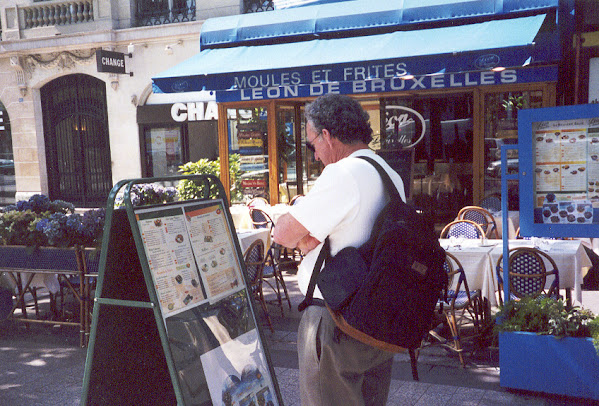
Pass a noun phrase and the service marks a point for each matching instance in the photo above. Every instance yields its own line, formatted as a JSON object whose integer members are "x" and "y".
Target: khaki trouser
{"x": 339, "y": 370}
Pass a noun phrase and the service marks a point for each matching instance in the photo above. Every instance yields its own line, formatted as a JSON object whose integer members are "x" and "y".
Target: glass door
{"x": 247, "y": 132}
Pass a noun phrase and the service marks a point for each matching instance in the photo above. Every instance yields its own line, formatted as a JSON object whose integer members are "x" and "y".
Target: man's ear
{"x": 327, "y": 137}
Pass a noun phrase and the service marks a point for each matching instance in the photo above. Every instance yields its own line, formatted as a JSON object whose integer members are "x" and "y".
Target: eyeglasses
{"x": 309, "y": 143}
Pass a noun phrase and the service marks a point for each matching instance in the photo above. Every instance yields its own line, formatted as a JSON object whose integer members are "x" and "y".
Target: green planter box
{"x": 21, "y": 257}
{"x": 542, "y": 363}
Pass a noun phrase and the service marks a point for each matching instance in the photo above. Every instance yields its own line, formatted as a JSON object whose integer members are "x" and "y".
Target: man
{"x": 342, "y": 204}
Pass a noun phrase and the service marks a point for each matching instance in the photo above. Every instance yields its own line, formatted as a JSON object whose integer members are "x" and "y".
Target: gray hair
{"x": 342, "y": 116}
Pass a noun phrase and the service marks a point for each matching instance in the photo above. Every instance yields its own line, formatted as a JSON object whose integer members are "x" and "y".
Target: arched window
{"x": 7, "y": 164}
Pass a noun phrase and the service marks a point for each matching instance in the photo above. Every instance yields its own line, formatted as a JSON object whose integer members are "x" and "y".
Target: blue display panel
{"x": 559, "y": 171}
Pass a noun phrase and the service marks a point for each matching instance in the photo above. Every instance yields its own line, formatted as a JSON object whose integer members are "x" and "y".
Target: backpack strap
{"x": 325, "y": 252}
{"x": 387, "y": 182}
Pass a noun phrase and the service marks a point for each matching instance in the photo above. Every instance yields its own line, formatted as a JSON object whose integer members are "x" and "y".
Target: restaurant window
{"x": 248, "y": 145}
{"x": 501, "y": 128}
{"x": 288, "y": 153}
{"x": 298, "y": 169}
{"x": 443, "y": 160}
{"x": 312, "y": 167}
{"x": 164, "y": 150}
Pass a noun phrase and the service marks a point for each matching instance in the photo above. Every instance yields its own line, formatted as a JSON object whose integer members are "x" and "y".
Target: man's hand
{"x": 307, "y": 244}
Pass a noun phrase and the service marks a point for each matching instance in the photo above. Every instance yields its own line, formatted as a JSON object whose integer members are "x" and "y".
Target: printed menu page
{"x": 566, "y": 159}
{"x": 214, "y": 250}
{"x": 190, "y": 254}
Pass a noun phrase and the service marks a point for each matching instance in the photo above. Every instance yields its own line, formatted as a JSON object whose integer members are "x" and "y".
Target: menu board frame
{"x": 173, "y": 318}
{"x": 557, "y": 165}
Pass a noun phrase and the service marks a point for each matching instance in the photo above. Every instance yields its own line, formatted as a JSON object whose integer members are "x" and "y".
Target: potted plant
{"x": 149, "y": 193}
{"x": 545, "y": 347}
{"x": 42, "y": 234}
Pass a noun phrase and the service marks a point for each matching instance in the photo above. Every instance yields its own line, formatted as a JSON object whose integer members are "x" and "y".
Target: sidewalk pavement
{"x": 44, "y": 366}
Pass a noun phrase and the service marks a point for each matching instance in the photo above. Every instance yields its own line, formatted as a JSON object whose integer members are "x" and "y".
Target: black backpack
{"x": 384, "y": 293}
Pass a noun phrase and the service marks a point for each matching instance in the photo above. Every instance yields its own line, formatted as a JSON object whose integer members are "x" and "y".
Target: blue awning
{"x": 431, "y": 56}
{"x": 370, "y": 16}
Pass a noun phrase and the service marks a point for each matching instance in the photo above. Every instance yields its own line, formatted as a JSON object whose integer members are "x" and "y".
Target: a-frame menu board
{"x": 173, "y": 322}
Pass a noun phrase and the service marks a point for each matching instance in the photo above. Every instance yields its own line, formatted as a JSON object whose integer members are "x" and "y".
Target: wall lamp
{"x": 169, "y": 48}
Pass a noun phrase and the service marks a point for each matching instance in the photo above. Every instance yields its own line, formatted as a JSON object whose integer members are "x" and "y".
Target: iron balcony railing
{"x": 257, "y": 6}
{"x": 157, "y": 12}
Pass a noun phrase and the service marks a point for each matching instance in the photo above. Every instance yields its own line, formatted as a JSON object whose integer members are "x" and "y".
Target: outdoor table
{"x": 46, "y": 267}
{"x": 479, "y": 263}
{"x": 476, "y": 261}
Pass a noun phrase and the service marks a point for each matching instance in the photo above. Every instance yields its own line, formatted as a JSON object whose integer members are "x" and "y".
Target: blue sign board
{"x": 559, "y": 171}
{"x": 387, "y": 84}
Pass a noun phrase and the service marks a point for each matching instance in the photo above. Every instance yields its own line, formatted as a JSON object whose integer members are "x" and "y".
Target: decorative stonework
{"x": 15, "y": 63}
{"x": 61, "y": 60}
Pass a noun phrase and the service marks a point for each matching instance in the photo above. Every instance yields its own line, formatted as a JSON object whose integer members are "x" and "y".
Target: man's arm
{"x": 292, "y": 234}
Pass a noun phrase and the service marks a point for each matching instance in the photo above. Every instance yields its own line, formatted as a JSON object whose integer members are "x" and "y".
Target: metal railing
{"x": 159, "y": 12}
{"x": 47, "y": 14}
{"x": 257, "y": 6}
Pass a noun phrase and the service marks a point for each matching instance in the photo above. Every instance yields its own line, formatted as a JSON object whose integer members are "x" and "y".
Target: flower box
{"x": 543, "y": 363}
{"x": 49, "y": 258}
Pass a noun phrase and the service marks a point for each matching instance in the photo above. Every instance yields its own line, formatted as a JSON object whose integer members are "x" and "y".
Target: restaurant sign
{"x": 290, "y": 87}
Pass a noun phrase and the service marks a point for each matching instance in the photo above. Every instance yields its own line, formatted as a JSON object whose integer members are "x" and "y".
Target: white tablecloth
{"x": 479, "y": 263}
{"x": 241, "y": 214}
{"x": 247, "y": 237}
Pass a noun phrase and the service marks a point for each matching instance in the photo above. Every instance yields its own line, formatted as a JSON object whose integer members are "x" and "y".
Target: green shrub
{"x": 188, "y": 189}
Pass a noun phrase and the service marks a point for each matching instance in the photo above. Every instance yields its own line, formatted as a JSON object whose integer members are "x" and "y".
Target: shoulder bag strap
{"x": 325, "y": 252}
{"x": 387, "y": 182}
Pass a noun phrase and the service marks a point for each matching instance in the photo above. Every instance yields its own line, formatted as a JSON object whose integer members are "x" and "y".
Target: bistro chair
{"x": 295, "y": 199}
{"x": 260, "y": 219}
{"x": 276, "y": 260}
{"x": 491, "y": 203}
{"x": 461, "y": 306}
{"x": 463, "y": 228}
{"x": 482, "y": 217}
{"x": 528, "y": 273}
{"x": 258, "y": 201}
{"x": 254, "y": 268}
